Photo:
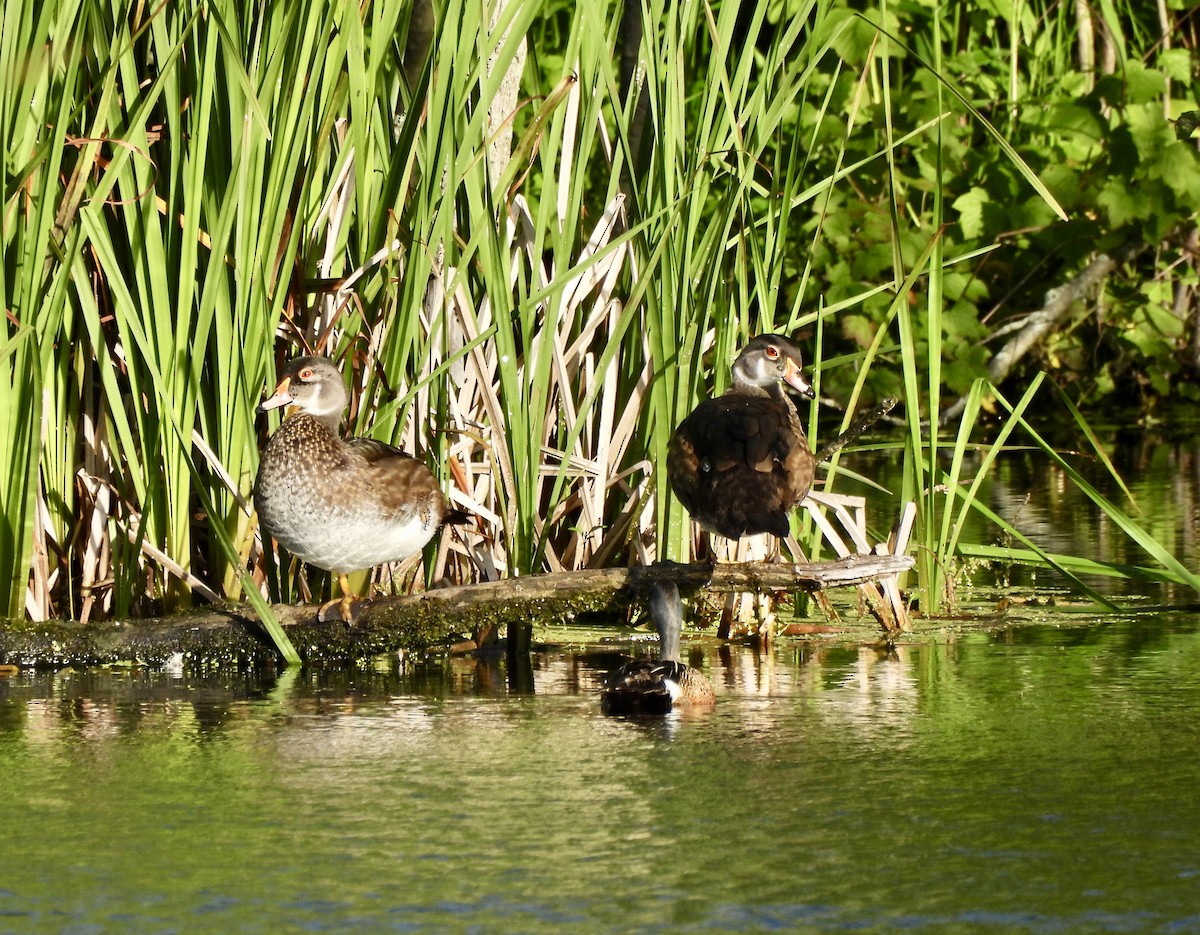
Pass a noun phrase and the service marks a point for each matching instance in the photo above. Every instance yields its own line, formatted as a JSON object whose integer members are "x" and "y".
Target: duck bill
{"x": 281, "y": 397}
{"x": 794, "y": 378}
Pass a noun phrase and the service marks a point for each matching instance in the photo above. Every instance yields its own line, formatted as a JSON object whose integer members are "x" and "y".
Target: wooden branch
{"x": 868, "y": 420}
{"x": 228, "y": 634}
{"x": 587, "y": 586}
{"x": 1039, "y": 323}
{"x": 425, "y": 618}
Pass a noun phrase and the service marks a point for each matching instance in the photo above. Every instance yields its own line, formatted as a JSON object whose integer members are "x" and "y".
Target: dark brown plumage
{"x": 740, "y": 462}
{"x": 644, "y": 686}
{"x": 340, "y": 505}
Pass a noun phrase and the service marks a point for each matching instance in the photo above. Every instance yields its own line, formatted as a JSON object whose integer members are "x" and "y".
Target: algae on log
{"x": 214, "y": 636}
{"x": 229, "y": 633}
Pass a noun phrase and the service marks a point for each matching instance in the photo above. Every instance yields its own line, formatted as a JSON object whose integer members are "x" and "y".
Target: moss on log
{"x": 230, "y": 634}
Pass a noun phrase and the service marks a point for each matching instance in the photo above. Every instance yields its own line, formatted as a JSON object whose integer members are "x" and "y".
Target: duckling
{"x": 740, "y": 461}
{"x": 342, "y": 505}
{"x": 647, "y": 687}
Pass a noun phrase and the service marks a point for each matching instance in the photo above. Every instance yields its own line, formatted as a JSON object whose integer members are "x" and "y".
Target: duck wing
{"x": 405, "y": 482}
{"x": 738, "y": 463}
{"x": 372, "y": 451}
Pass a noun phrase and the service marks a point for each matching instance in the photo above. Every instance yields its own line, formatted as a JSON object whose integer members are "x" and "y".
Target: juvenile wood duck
{"x": 340, "y": 505}
{"x": 740, "y": 462}
{"x": 647, "y": 687}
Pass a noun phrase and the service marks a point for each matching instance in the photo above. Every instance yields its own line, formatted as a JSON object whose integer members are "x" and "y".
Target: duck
{"x": 645, "y": 686}
{"x": 340, "y": 504}
{"x": 740, "y": 462}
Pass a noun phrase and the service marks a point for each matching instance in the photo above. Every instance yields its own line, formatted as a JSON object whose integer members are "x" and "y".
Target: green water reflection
{"x": 1040, "y": 500}
{"x": 1038, "y": 780}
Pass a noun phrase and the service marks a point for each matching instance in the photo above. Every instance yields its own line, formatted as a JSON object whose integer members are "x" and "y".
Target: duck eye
{"x": 772, "y": 352}
{"x": 307, "y": 373}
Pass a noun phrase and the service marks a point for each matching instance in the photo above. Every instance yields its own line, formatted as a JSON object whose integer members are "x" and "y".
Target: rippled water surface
{"x": 1039, "y": 779}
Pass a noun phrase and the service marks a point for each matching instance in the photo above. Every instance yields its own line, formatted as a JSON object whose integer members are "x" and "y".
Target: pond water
{"x": 1036, "y": 779}
{"x": 1039, "y": 778}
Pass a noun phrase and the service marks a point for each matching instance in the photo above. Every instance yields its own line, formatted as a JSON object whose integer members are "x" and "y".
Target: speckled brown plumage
{"x": 340, "y": 505}
{"x": 645, "y": 686}
{"x": 740, "y": 462}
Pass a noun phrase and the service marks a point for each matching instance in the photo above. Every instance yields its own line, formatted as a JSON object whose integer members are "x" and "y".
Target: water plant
{"x": 534, "y": 259}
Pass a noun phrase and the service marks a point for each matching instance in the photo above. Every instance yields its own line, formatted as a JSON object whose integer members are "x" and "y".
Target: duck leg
{"x": 348, "y": 605}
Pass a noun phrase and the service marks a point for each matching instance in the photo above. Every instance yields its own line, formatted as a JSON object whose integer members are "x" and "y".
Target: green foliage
{"x": 1103, "y": 145}
{"x": 195, "y": 191}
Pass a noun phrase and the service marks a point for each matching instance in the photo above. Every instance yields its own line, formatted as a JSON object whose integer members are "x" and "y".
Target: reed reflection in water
{"x": 1027, "y": 490}
{"x": 1040, "y": 779}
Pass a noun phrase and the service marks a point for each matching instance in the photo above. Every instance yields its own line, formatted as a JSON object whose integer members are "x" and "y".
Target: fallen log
{"x": 228, "y": 634}
{"x": 619, "y": 582}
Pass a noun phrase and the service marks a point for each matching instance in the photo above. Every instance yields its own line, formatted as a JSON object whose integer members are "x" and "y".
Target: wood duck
{"x": 740, "y": 462}
{"x": 340, "y": 505}
{"x": 647, "y": 687}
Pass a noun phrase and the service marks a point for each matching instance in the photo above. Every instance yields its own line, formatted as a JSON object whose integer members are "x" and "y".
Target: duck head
{"x": 312, "y": 385}
{"x": 767, "y": 360}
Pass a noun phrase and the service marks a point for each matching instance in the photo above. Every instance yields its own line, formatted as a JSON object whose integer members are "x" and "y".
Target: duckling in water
{"x": 644, "y": 686}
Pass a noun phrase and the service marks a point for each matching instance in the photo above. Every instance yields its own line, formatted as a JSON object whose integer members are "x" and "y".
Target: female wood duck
{"x": 648, "y": 687}
{"x": 740, "y": 462}
{"x": 340, "y": 505}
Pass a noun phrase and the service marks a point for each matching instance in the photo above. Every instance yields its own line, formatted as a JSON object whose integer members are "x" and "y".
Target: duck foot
{"x": 349, "y": 605}
{"x": 347, "y": 610}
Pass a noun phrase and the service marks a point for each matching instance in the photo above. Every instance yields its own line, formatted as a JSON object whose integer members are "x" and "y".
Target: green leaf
{"x": 970, "y": 211}
{"x": 1143, "y": 85}
{"x": 968, "y": 365}
{"x": 1063, "y": 180}
{"x": 1176, "y": 64}
{"x": 859, "y": 329}
{"x": 1120, "y": 204}
{"x": 1074, "y": 118}
{"x": 1180, "y": 169}
{"x": 1149, "y": 129}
